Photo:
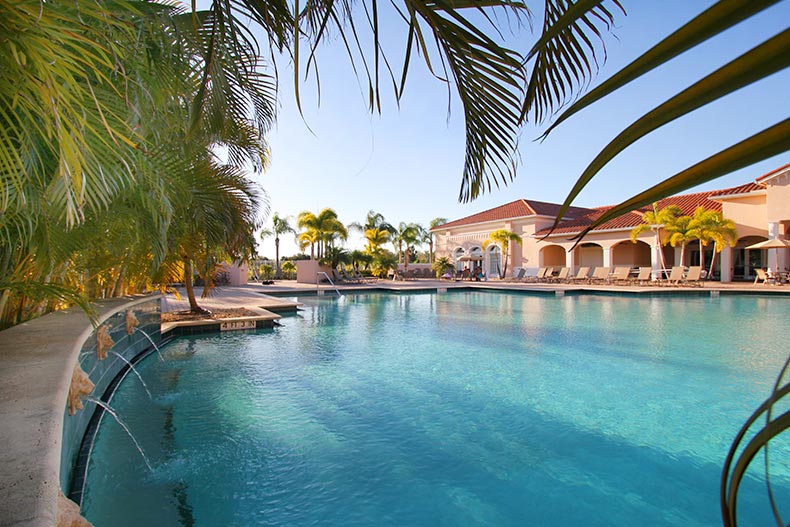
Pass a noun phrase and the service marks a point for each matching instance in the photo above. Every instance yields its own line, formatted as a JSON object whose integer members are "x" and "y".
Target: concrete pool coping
{"x": 37, "y": 358}
{"x": 36, "y": 363}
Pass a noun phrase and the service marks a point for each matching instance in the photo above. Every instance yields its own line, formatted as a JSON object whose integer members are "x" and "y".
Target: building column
{"x": 725, "y": 264}
{"x": 773, "y": 254}
{"x": 569, "y": 262}
{"x": 607, "y": 257}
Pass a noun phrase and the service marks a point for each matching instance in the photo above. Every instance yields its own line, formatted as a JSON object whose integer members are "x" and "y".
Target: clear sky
{"x": 406, "y": 163}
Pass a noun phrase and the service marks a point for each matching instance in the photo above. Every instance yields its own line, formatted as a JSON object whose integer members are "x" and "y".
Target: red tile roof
{"x": 742, "y": 189}
{"x": 515, "y": 209}
{"x": 687, "y": 203}
{"x": 773, "y": 172}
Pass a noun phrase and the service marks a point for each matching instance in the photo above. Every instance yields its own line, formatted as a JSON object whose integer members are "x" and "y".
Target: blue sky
{"x": 406, "y": 162}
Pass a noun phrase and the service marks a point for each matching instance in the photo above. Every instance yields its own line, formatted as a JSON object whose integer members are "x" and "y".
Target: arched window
{"x": 457, "y": 254}
{"x": 493, "y": 260}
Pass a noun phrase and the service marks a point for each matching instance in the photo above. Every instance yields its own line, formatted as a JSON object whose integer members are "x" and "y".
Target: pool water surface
{"x": 449, "y": 409}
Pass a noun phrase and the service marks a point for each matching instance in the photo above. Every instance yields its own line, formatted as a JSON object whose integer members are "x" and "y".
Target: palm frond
{"x": 763, "y": 145}
{"x": 714, "y": 21}
{"x": 566, "y": 57}
{"x": 758, "y": 63}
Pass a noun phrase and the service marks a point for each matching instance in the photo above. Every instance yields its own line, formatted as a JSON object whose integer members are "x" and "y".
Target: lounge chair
{"x": 620, "y": 275}
{"x": 561, "y": 277}
{"x": 693, "y": 277}
{"x": 519, "y": 276}
{"x": 763, "y": 277}
{"x": 644, "y": 277}
{"x": 547, "y": 274}
{"x": 348, "y": 278}
{"x": 599, "y": 276}
{"x": 581, "y": 275}
{"x": 675, "y": 276}
{"x": 362, "y": 278}
{"x": 538, "y": 277}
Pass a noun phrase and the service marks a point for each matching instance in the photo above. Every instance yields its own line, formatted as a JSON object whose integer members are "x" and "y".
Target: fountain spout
{"x": 103, "y": 342}
{"x": 80, "y": 385}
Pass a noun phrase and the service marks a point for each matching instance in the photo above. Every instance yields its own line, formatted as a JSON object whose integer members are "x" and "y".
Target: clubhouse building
{"x": 760, "y": 211}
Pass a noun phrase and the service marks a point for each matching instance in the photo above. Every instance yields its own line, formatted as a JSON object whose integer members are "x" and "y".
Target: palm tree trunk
{"x": 277, "y": 275}
{"x": 683, "y": 253}
{"x": 430, "y": 249}
{"x": 712, "y": 262}
{"x": 506, "y": 253}
{"x": 193, "y": 305}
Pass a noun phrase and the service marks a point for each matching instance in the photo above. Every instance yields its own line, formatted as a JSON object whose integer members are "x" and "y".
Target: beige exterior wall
{"x": 748, "y": 213}
{"x": 778, "y": 200}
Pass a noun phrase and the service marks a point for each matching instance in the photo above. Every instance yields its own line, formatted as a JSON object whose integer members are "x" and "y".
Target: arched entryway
{"x": 588, "y": 255}
{"x": 552, "y": 256}
{"x": 627, "y": 253}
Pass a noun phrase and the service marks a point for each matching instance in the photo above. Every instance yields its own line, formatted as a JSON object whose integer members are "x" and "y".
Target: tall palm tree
{"x": 503, "y": 238}
{"x": 433, "y": 224}
{"x": 680, "y": 233}
{"x": 655, "y": 220}
{"x": 280, "y": 225}
{"x": 320, "y": 230}
{"x": 408, "y": 234}
{"x": 711, "y": 226}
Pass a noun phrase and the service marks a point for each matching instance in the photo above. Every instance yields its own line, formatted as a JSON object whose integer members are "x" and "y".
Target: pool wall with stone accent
{"x": 40, "y": 442}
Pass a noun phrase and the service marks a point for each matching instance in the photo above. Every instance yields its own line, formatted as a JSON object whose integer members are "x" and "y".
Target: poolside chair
{"x": 547, "y": 274}
{"x": 620, "y": 275}
{"x": 561, "y": 277}
{"x": 519, "y": 276}
{"x": 600, "y": 275}
{"x": 348, "y": 278}
{"x": 763, "y": 277}
{"x": 539, "y": 276}
{"x": 693, "y": 277}
{"x": 581, "y": 275}
{"x": 675, "y": 276}
{"x": 644, "y": 277}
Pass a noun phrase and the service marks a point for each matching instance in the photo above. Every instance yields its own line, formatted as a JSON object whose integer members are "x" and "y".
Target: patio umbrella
{"x": 467, "y": 258}
{"x": 775, "y": 244}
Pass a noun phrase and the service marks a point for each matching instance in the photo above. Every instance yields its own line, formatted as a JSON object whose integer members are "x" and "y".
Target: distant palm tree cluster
{"x": 324, "y": 234}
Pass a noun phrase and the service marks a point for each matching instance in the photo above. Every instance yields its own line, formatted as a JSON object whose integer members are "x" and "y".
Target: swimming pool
{"x": 456, "y": 409}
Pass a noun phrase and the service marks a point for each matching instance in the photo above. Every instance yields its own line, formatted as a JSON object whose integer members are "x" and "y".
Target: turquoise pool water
{"x": 456, "y": 409}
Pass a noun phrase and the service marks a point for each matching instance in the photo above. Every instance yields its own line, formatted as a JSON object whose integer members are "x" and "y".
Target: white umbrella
{"x": 776, "y": 243}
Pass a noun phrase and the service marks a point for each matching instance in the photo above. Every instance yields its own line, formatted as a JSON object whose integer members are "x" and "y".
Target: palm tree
{"x": 408, "y": 234}
{"x": 320, "y": 231}
{"x": 711, "y": 226}
{"x": 655, "y": 220}
{"x": 375, "y": 239}
{"x": 503, "y": 238}
{"x": 680, "y": 234}
{"x": 280, "y": 226}
{"x": 433, "y": 224}
{"x": 441, "y": 265}
{"x": 373, "y": 220}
